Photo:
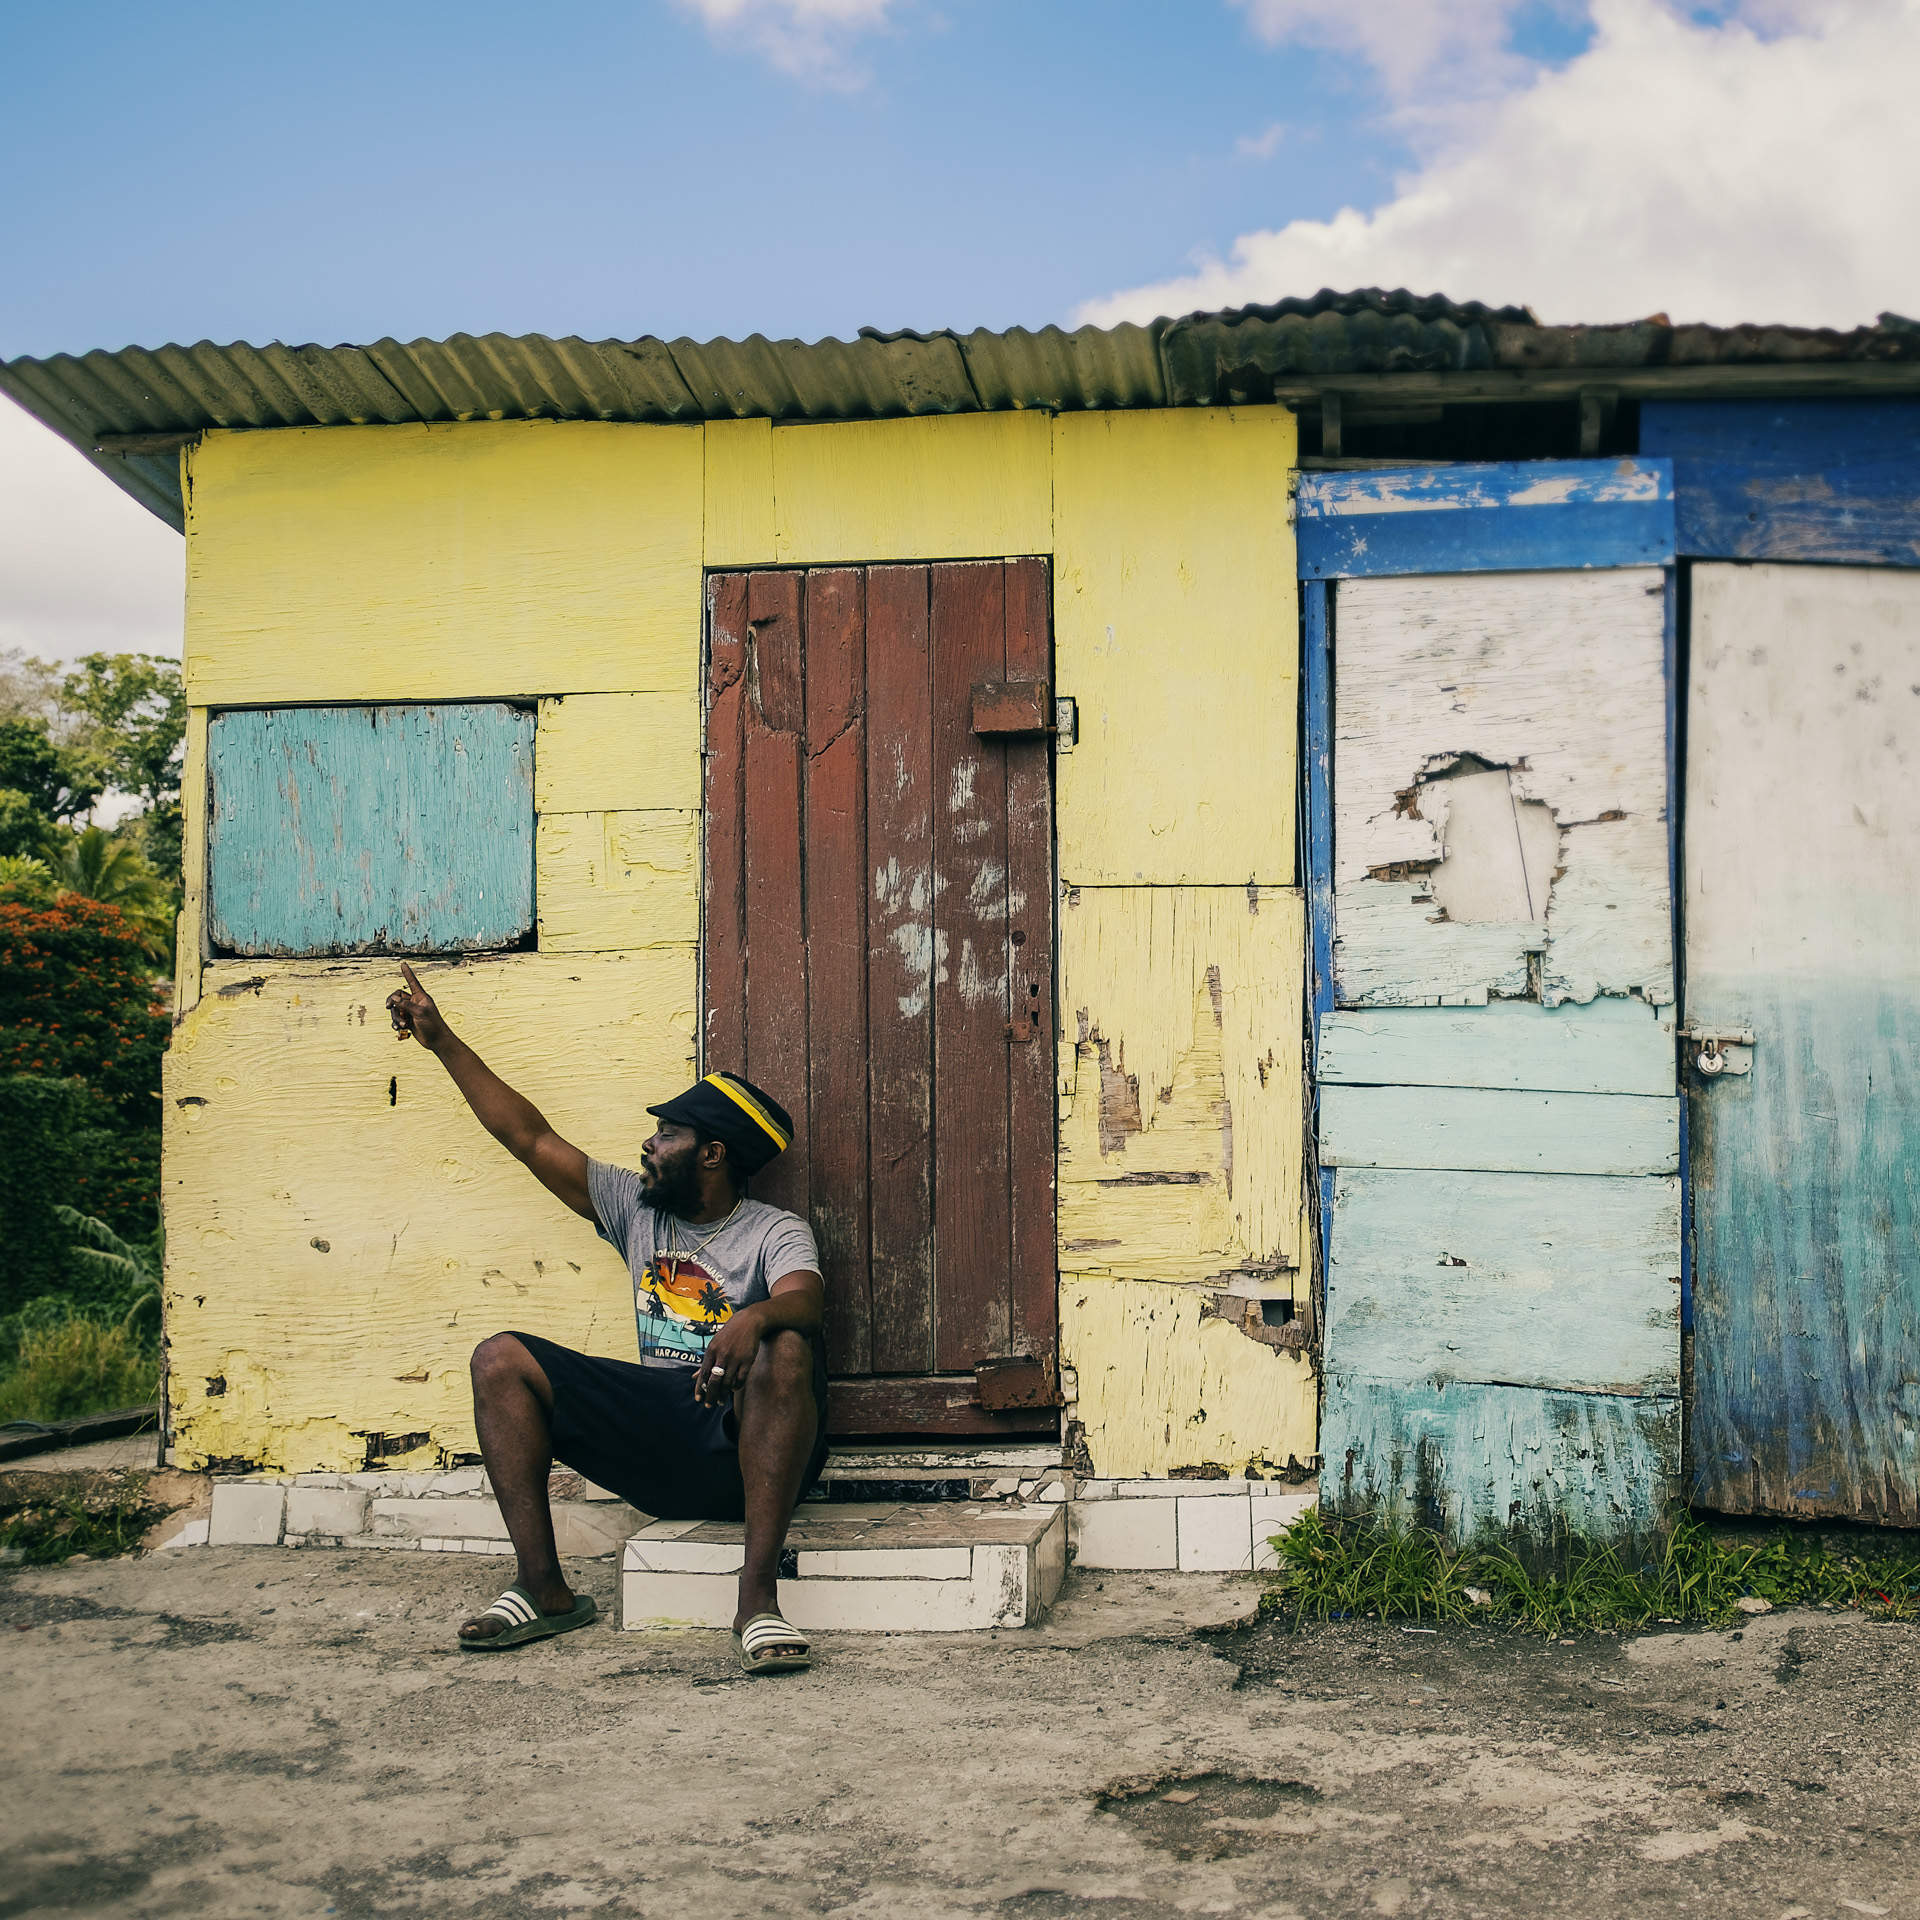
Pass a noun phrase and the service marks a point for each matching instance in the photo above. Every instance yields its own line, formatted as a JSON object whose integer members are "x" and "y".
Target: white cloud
{"x": 1717, "y": 171}
{"x": 1261, "y": 146}
{"x": 83, "y": 567}
{"x": 1408, "y": 43}
{"x": 808, "y": 38}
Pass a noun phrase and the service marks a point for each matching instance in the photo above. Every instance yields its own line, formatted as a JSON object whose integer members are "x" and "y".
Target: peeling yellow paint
{"x": 528, "y": 559}
{"x": 296, "y": 1119}
{"x": 483, "y": 560}
{"x": 1182, "y": 1015}
{"x": 193, "y": 877}
{"x": 1160, "y": 1389}
{"x": 612, "y": 881}
{"x": 944, "y": 487}
{"x": 1175, "y": 629}
{"x": 739, "y": 493}
{"x": 620, "y": 752}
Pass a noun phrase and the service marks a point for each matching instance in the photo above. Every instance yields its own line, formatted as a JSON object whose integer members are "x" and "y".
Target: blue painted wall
{"x": 370, "y": 829}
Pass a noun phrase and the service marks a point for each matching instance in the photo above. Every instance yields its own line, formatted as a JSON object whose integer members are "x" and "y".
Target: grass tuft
{"x": 77, "y": 1364}
{"x": 106, "y": 1519}
{"x": 1361, "y": 1569}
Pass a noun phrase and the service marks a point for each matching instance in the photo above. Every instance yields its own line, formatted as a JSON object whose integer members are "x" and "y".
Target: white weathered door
{"x": 1802, "y": 866}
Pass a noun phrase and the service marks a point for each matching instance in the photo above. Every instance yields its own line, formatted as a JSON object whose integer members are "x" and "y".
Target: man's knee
{"x": 788, "y": 1359}
{"x": 497, "y": 1359}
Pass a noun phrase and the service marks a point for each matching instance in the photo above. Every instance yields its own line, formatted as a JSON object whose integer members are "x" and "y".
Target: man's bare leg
{"x": 513, "y": 1409}
{"x": 778, "y": 1422}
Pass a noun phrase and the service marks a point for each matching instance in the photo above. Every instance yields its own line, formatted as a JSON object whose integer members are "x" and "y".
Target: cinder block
{"x": 341, "y": 1510}
{"x": 247, "y": 1514}
{"x": 1274, "y": 1513}
{"x": 1215, "y": 1535}
{"x": 189, "y": 1533}
{"x": 444, "y": 1519}
{"x": 886, "y": 1563}
{"x": 583, "y": 1531}
{"x": 1124, "y": 1534}
{"x": 458, "y": 1483}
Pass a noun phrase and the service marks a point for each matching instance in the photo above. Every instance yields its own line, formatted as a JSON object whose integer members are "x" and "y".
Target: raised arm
{"x": 510, "y": 1117}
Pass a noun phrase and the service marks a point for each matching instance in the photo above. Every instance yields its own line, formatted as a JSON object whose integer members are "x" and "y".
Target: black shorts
{"x": 639, "y": 1432}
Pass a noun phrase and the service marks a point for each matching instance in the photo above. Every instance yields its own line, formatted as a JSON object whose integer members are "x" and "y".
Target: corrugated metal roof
{"x": 1244, "y": 355}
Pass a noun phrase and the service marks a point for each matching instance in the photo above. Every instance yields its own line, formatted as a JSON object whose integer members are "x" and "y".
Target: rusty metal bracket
{"x": 1012, "y": 707}
{"x": 1018, "y": 1381}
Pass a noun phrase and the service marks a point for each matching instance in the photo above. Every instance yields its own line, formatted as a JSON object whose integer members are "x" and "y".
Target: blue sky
{"x": 806, "y": 167}
{"x": 272, "y": 172}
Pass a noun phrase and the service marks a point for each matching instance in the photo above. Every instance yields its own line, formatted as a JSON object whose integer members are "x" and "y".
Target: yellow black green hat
{"x": 753, "y": 1126}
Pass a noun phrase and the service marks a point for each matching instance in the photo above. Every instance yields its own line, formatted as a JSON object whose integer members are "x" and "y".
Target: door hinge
{"x": 1719, "y": 1050}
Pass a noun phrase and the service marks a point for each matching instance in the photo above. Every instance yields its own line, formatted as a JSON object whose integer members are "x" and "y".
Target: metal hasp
{"x": 1710, "y": 1049}
{"x": 1012, "y": 707}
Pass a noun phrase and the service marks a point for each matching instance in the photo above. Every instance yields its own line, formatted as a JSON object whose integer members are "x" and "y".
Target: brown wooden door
{"x": 879, "y": 957}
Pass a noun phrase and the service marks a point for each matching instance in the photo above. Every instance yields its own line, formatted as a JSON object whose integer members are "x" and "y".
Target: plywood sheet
{"x": 609, "y": 881}
{"x": 1160, "y": 1387}
{"x": 619, "y": 752}
{"x": 1508, "y": 1279}
{"x": 1803, "y": 920}
{"x": 1607, "y": 1046}
{"x": 341, "y": 1231}
{"x": 1182, "y": 1103}
{"x": 739, "y": 493}
{"x": 1556, "y": 677}
{"x": 946, "y": 487}
{"x": 1177, "y": 631}
{"x": 1495, "y": 1130}
{"x": 1472, "y": 1459}
{"x": 478, "y": 560}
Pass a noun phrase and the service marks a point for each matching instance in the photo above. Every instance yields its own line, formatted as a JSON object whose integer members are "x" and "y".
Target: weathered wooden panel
{"x": 724, "y": 931}
{"x": 972, "y": 1197}
{"x": 371, "y": 829}
{"x": 738, "y": 493}
{"x": 1176, "y": 621}
{"x": 1464, "y": 1459}
{"x": 1162, "y": 1385}
{"x": 836, "y": 855}
{"x": 191, "y": 925}
{"x": 900, "y": 962}
{"x": 607, "y": 881}
{"x": 934, "y": 488}
{"x": 1526, "y": 515}
{"x": 1509, "y": 1279}
{"x": 1557, "y": 678}
{"x": 422, "y": 1239}
{"x": 1607, "y": 1046}
{"x": 474, "y": 560}
{"x": 1803, "y": 922}
{"x": 947, "y": 1405}
{"x": 618, "y": 753}
{"x": 1496, "y": 1130}
{"x": 1793, "y": 479}
{"x": 1181, "y": 1108}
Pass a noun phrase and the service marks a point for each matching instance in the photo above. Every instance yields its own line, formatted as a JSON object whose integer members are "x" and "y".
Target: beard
{"x": 673, "y": 1185}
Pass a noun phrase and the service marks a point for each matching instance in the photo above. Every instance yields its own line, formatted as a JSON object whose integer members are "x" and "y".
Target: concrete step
{"x": 864, "y": 1568}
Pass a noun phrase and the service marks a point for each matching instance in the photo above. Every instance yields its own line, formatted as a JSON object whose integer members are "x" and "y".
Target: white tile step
{"x": 938, "y": 1568}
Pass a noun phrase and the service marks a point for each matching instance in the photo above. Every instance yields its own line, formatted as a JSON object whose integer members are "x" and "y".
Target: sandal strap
{"x": 769, "y": 1630}
{"x": 515, "y": 1608}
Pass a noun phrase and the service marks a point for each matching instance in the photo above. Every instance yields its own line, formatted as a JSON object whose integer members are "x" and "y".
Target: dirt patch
{"x": 1212, "y": 1816}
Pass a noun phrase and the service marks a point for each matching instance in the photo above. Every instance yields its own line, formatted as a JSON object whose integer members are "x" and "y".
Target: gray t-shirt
{"x": 687, "y": 1286}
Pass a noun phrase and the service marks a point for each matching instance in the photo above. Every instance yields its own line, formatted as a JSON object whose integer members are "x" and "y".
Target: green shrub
{"x": 77, "y": 1364}
{"x": 1353, "y": 1569}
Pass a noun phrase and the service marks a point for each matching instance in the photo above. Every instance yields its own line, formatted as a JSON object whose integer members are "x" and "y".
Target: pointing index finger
{"x": 413, "y": 984}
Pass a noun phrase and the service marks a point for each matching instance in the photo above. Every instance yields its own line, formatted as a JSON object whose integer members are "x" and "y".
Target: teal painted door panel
{"x": 1802, "y": 875}
{"x": 1466, "y": 1459}
{"x": 337, "y": 830}
{"x": 1608, "y": 1046}
{"x": 1497, "y": 1131}
{"x": 1516, "y": 1279}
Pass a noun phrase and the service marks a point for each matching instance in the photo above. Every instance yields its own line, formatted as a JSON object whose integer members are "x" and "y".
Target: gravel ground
{"x": 256, "y": 1731}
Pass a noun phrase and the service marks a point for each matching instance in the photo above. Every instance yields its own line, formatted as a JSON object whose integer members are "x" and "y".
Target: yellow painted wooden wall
{"x": 341, "y": 1232}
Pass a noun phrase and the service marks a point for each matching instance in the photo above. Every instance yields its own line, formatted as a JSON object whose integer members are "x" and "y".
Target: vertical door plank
{"x": 724, "y": 1043}
{"x": 776, "y": 1055}
{"x": 899, "y": 881}
{"x": 1034, "y": 1304}
{"x": 836, "y": 882}
{"x": 971, "y": 1201}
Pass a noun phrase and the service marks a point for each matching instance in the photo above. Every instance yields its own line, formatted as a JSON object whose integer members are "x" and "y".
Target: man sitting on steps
{"x": 724, "y": 1417}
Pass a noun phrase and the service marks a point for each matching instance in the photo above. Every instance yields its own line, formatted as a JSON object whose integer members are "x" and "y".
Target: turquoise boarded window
{"x": 338, "y": 830}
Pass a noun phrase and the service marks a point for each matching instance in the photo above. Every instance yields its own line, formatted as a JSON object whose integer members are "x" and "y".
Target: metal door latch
{"x": 1711, "y": 1046}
